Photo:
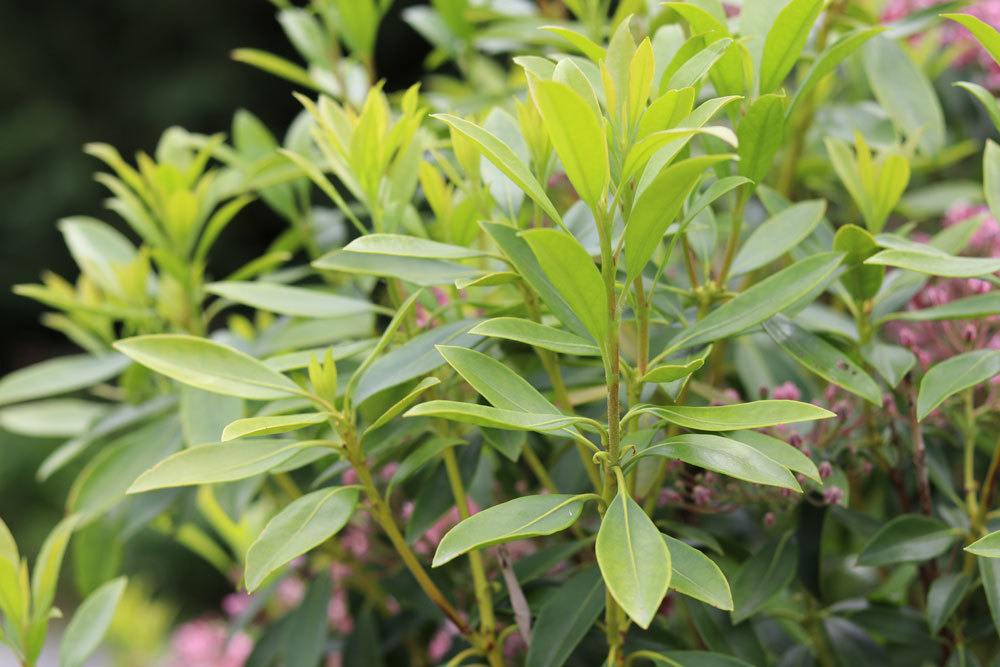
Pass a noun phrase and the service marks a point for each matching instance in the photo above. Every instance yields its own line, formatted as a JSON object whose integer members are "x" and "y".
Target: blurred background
{"x": 121, "y": 72}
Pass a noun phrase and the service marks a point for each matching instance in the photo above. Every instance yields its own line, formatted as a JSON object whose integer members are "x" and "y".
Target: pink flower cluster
{"x": 971, "y": 52}
{"x": 206, "y": 643}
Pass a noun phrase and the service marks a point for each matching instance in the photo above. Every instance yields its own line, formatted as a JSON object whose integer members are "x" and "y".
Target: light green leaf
{"x": 504, "y": 159}
{"x": 573, "y": 274}
{"x": 989, "y": 572}
{"x": 985, "y": 98}
{"x": 671, "y": 372}
{"x": 780, "y": 452}
{"x": 99, "y": 250}
{"x": 537, "y": 335}
{"x": 416, "y": 270}
{"x": 52, "y": 418}
{"x": 90, "y": 623}
{"x": 403, "y": 403}
{"x": 220, "y": 462}
{"x": 421, "y": 456}
{"x": 521, "y": 518}
{"x": 760, "y": 134}
{"x": 861, "y": 280}
{"x": 756, "y": 414}
{"x": 292, "y": 301}
{"x": 208, "y": 365}
{"x": 907, "y": 539}
{"x": 968, "y": 308}
{"x": 657, "y": 207}
{"x": 987, "y": 546}
{"x": 723, "y": 455}
{"x": 984, "y": 33}
{"x": 697, "y": 576}
{"x": 303, "y": 525}
{"x": 577, "y": 136}
{"x": 271, "y": 424}
{"x": 991, "y": 176}
{"x": 60, "y": 376}
{"x": 398, "y": 245}
{"x": 766, "y": 298}
{"x": 698, "y": 66}
{"x": 45, "y": 573}
{"x": 778, "y": 235}
{"x": 822, "y": 358}
{"x": 785, "y": 41}
{"x": 633, "y": 558}
{"x": 828, "y": 61}
{"x": 952, "y": 375}
{"x": 485, "y": 415}
{"x": 583, "y": 44}
{"x": 936, "y": 264}
{"x": 904, "y": 91}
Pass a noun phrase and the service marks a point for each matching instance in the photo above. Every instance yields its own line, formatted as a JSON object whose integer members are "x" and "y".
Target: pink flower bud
{"x": 833, "y": 495}
{"x": 977, "y": 286}
{"x": 825, "y": 469}
{"x": 769, "y": 519}
{"x": 786, "y": 391}
{"x": 701, "y": 495}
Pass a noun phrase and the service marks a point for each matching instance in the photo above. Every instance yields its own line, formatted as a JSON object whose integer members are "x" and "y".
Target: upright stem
{"x": 735, "y": 227}
{"x": 971, "y": 485}
{"x": 919, "y": 455}
{"x": 613, "y": 618}
{"x": 484, "y": 596}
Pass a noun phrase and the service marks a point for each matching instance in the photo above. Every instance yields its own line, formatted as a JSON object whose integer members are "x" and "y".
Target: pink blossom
{"x": 833, "y": 495}
{"x": 786, "y": 391}
{"x": 668, "y": 496}
{"x": 338, "y": 612}
{"x": 825, "y": 469}
{"x": 441, "y": 642}
{"x": 235, "y": 604}
{"x": 291, "y": 590}
{"x": 206, "y": 643}
{"x": 701, "y": 495}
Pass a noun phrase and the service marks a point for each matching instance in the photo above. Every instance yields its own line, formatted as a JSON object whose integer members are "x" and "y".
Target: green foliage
{"x": 610, "y": 310}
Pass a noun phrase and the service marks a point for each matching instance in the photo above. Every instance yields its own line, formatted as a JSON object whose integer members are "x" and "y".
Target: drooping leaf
{"x": 221, "y": 462}
{"x": 697, "y": 576}
{"x": 52, "y": 418}
{"x": 908, "y": 538}
{"x": 533, "y": 333}
{"x": 504, "y": 159}
{"x": 287, "y": 300}
{"x": 208, "y": 365}
{"x": 634, "y": 560}
{"x": 485, "y": 415}
{"x": 303, "y": 525}
{"x": 725, "y": 456}
{"x": 59, "y": 376}
{"x": 823, "y": 359}
{"x": 521, "y": 518}
{"x": 952, "y": 375}
{"x": 764, "y": 299}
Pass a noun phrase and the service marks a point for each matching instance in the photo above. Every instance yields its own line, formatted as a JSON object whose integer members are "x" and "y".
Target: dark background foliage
{"x": 121, "y": 72}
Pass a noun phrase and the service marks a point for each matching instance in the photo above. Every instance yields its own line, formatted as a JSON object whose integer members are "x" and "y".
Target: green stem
{"x": 735, "y": 227}
{"x": 481, "y": 586}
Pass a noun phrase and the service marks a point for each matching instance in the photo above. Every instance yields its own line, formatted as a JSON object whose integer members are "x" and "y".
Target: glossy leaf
{"x": 286, "y": 300}
{"x": 504, "y": 159}
{"x": 760, "y": 133}
{"x": 936, "y": 264}
{"x": 952, "y": 375}
{"x": 533, "y": 333}
{"x": 672, "y": 372}
{"x": 577, "y": 136}
{"x": 778, "y": 235}
{"x": 634, "y": 560}
{"x": 769, "y": 296}
{"x": 763, "y": 577}
{"x": 574, "y": 275}
{"x": 48, "y": 564}
{"x": 271, "y": 424}
{"x": 970, "y": 307}
{"x": 399, "y": 406}
{"x": 485, "y": 415}
{"x": 59, "y": 376}
{"x": 908, "y": 538}
{"x": 697, "y": 576}
{"x": 780, "y": 452}
{"x": 521, "y": 518}
{"x": 222, "y": 462}
{"x": 397, "y": 245}
{"x": 208, "y": 365}
{"x": 303, "y": 525}
{"x": 416, "y": 270}
{"x": 984, "y": 33}
{"x": 726, "y": 456}
{"x": 823, "y": 359}
{"x": 756, "y": 414}
{"x": 987, "y": 546}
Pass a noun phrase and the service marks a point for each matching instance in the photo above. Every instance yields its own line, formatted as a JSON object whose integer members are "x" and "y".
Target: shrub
{"x": 647, "y": 348}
